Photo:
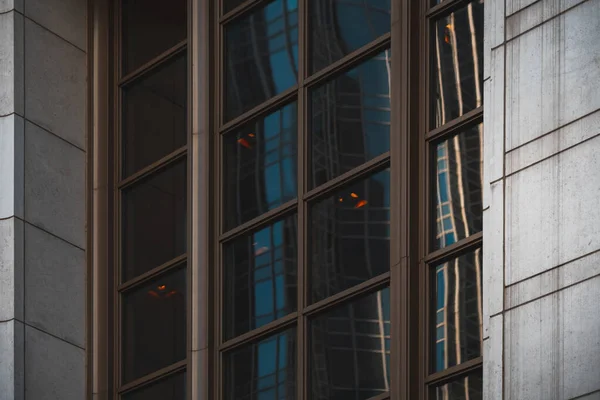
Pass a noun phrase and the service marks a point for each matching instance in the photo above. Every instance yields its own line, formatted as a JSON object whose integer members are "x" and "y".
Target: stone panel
{"x": 55, "y": 84}
{"x": 493, "y": 256}
{"x": 549, "y": 74}
{"x": 12, "y": 353}
{"x": 552, "y": 345}
{"x": 54, "y": 369}
{"x": 7, "y": 5}
{"x": 52, "y": 14}
{"x": 12, "y": 137}
{"x": 11, "y": 63}
{"x": 54, "y": 185}
{"x": 492, "y": 361}
{"x": 493, "y": 122}
{"x": 11, "y": 269}
{"x": 55, "y": 286}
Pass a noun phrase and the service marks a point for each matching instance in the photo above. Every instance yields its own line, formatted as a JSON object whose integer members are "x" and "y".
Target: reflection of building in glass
{"x": 458, "y": 303}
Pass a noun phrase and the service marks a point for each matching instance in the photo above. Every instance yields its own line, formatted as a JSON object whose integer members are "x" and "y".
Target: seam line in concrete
{"x": 552, "y": 131}
{"x": 552, "y": 155}
{"x": 522, "y": 9}
{"x": 54, "y": 336}
{"x": 48, "y": 232}
{"x": 52, "y": 32}
{"x": 584, "y": 395}
{"x": 11, "y": 113}
{"x": 54, "y": 134}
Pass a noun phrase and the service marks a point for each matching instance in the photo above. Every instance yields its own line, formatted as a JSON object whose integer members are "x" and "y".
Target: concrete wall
{"x": 542, "y": 199}
{"x": 42, "y": 199}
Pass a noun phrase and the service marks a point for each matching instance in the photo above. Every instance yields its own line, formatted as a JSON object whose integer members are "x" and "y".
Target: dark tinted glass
{"x": 149, "y": 28}
{"x": 154, "y": 220}
{"x": 458, "y": 198}
{"x": 350, "y": 119}
{"x": 154, "y": 116}
{"x": 260, "y": 166}
{"x": 264, "y": 370}
{"x": 153, "y": 325}
{"x": 469, "y": 387}
{"x": 171, "y": 388}
{"x": 260, "y": 277}
{"x": 456, "y": 316}
{"x": 261, "y": 56}
{"x": 457, "y": 66}
{"x": 229, "y": 5}
{"x": 350, "y": 350}
{"x": 340, "y": 26}
{"x": 350, "y": 236}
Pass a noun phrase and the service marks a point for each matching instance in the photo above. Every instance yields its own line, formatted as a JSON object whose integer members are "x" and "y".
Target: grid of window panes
{"x": 455, "y": 150}
{"x": 305, "y": 200}
{"x": 152, "y": 200}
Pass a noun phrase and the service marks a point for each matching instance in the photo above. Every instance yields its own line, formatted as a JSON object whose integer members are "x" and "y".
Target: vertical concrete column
{"x": 42, "y": 199}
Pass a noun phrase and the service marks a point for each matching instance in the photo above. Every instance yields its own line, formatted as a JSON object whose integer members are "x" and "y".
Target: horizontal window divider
{"x": 154, "y": 376}
{"x": 257, "y": 334}
{"x": 370, "y": 286}
{"x": 155, "y": 166}
{"x": 153, "y": 63}
{"x": 239, "y": 10}
{"x": 378, "y": 163}
{"x": 260, "y": 110}
{"x": 260, "y": 221}
{"x": 456, "y": 249}
{"x": 445, "y": 7}
{"x": 457, "y": 125}
{"x": 383, "y": 396}
{"x": 454, "y": 372}
{"x": 349, "y": 61}
{"x": 153, "y": 273}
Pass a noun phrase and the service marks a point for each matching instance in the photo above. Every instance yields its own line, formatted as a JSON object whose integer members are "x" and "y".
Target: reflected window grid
{"x": 469, "y": 387}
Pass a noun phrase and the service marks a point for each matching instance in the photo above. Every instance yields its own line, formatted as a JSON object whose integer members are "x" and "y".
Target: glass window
{"x": 469, "y": 387}
{"x": 456, "y": 311}
{"x": 457, "y": 64}
{"x": 339, "y": 27}
{"x": 260, "y": 166}
{"x": 350, "y": 119}
{"x": 154, "y": 325}
{"x": 261, "y": 56}
{"x": 260, "y": 277}
{"x": 350, "y": 350}
{"x": 229, "y": 5}
{"x": 149, "y": 28}
{"x": 154, "y": 115}
{"x": 171, "y": 388}
{"x": 262, "y": 370}
{"x": 349, "y": 236}
{"x": 457, "y": 199}
{"x": 154, "y": 220}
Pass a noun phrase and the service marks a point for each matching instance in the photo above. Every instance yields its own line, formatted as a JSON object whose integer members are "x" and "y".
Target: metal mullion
{"x": 444, "y": 8}
{"x": 353, "y": 293}
{"x": 260, "y": 221}
{"x": 152, "y": 168}
{"x": 239, "y": 10}
{"x": 375, "y": 165}
{"x": 154, "y": 63}
{"x": 456, "y": 125}
{"x": 262, "y": 109}
{"x": 456, "y": 249}
{"x": 153, "y": 377}
{"x": 383, "y": 396}
{"x": 350, "y": 60}
{"x": 454, "y": 372}
{"x": 154, "y": 272}
{"x": 257, "y": 334}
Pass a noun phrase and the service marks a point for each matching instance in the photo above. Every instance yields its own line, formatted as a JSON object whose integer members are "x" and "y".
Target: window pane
{"x": 340, "y": 26}
{"x": 154, "y": 116}
{"x": 261, "y": 56}
{"x": 260, "y": 166}
{"x": 457, "y": 67}
{"x": 154, "y": 325}
{"x": 465, "y": 388}
{"x": 458, "y": 196}
{"x": 350, "y": 119}
{"x": 350, "y": 236}
{"x": 171, "y": 388}
{"x": 229, "y": 5}
{"x": 350, "y": 350}
{"x": 154, "y": 221}
{"x": 260, "y": 277}
{"x": 264, "y": 370}
{"x": 149, "y": 28}
{"x": 456, "y": 314}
